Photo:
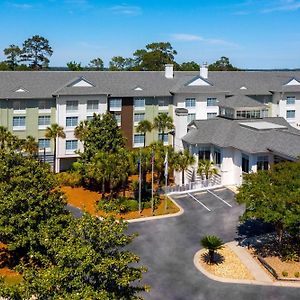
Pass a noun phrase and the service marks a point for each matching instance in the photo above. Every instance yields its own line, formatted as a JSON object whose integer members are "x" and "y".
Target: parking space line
{"x": 194, "y": 198}
{"x": 212, "y": 193}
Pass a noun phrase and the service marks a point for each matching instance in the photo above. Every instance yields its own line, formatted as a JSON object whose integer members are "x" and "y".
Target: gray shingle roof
{"x": 230, "y": 133}
{"x": 241, "y": 101}
{"x": 43, "y": 84}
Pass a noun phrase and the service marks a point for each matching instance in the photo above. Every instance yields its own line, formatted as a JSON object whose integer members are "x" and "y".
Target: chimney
{"x": 169, "y": 73}
{"x": 204, "y": 71}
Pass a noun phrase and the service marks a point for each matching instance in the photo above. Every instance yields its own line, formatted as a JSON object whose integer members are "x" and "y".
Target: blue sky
{"x": 252, "y": 33}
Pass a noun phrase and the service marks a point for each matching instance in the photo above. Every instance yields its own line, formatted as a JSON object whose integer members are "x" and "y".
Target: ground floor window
{"x": 245, "y": 163}
{"x": 138, "y": 139}
{"x": 262, "y": 163}
{"x": 204, "y": 153}
{"x": 165, "y": 138}
{"x": 217, "y": 156}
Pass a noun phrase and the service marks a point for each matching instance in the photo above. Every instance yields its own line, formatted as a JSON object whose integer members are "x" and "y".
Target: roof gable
{"x": 21, "y": 90}
{"x": 199, "y": 81}
{"x": 294, "y": 81}
{"x": 81, "y": 82}
{"x": 138, "y": 88}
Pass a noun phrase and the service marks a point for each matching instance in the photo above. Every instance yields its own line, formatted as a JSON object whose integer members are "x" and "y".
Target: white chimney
{"x": 204, "y": 71}
{"x": 169, "y": 72}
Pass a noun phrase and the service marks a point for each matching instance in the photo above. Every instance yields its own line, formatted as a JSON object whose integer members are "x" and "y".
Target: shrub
{"x": 72, "y": 179}
{"x": 285, "y": 273}
{"x": 118, "y": 205}
{"x": 297, "y": 274}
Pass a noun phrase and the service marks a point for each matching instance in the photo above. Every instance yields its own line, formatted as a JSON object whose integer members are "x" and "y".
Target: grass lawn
{"x": 87, "y": 200}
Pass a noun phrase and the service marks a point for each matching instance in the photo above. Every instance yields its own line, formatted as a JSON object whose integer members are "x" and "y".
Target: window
{"x": 211, "y": 115}
{"x": 138, "y": 117}
{"x": 204, "y": 153}
{"x": 115, "y": 103}
{"x": 71, "y": 121}
{"x": 19, "y": 121}
{"x": 248, "y": 114}
{"x": 211, "y": 102}
{"x": 290, "y": 100}
{"x": 44, "y": 120}
{"x": 163, "y": 102}
{"x": 217, "y": 156}
{"x": 190, "y": 102}
{"x": 118, "y": 118}
{"x": 165, "y": 138}
{"x": 262, "y": 163}
{"x": 245, "y": 163}
{"x": 139, "y": 103}
{"x": 138, "y": 139}
{"x": 71, "y": 145}
{"x": 44, "y": 143}
{"x": 290, "y": 114}
{"x": 191, "y": 117}
{"x": 92, "y": 105}
{"x": 19, "y": 105}
{"x": 44, "y": 104}
{"x": 72, "y": 106}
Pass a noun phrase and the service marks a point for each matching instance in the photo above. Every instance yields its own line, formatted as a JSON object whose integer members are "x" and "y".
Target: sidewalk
{"x": 258, "y": 273}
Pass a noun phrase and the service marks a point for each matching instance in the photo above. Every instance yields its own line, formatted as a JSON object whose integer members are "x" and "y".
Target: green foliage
{"x": 12, "y": 54}
{"x": 36, "y": 51}
{"x": 212, "y": 243}
{"x": 119, "y": 63}
{"x": 182, "y": 160}
{"x": 188, "y": 66}
{"x": 297, "y": 274}
{"x": 163, "y": 122}
{"x": 285, "y": 274}
{"x": 72, "y": 178}
{"x": 144, "y": 126}
{"x": 4, "y": 66}
{"x": 206, "y": 168}
{"x": 74, "y": 66}
{"x": 273, "y": 196}
{"x": 96, "y": 64}
{"x": 223, "y": 64}
{"x": 30, "y": 146}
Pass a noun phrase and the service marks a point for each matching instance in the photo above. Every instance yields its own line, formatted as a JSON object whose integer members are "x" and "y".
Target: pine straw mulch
{"x": 87, "y": 201}
{"x": 227, "y": 265}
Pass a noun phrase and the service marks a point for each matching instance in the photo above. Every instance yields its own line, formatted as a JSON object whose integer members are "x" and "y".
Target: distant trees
{"x": 223, "y": 64}
{"x": 13, "y": 55}
{"x": 97, "y": 64}
{"x": 74, "y": 66}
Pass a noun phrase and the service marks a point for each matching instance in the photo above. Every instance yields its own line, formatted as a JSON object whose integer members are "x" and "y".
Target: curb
{"x": 237, "y": 281}
{"x": 181, "y": 211}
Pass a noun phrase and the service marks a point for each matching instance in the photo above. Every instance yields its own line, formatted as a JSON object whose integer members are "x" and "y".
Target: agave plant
{"x": 212, "y": 243}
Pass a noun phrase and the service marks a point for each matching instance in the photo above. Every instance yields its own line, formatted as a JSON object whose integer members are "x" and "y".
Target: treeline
{"x": 35, "y": 53}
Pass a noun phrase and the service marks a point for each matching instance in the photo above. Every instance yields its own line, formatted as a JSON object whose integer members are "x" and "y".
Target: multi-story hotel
{"x": 31, "y": 101}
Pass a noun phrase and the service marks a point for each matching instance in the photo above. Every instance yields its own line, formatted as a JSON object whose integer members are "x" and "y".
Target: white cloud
{"x": 20, "y": 5}
{"x": 126, "y": 10}
{"x": 283, "y": 5}
{"x": 185, "y": 37}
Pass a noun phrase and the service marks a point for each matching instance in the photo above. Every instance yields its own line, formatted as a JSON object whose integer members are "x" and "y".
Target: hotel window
{"x": 290, "y": 100}
{"x": 44, "y": 104}
{"x": 92, "y": 105}
{"x": 245, "y": 163}
{"x": 204, "y": 153}
{"x": 217, "y": 156}
{"x": 211, "y": 115}
{"x": 72, "y": 106}
{"x": 115, "y": 103}
{"x": 118, "y": 118}
{"x": 139, "y": 103}
{"x": 164, "y": 138}
{"x": 71, "y": 145}
{"x": 19, "y": 121}
{"x": 191, "y": 117}
{"x": 71, "y": 121}
{"x": 138, "y": 139}
{"x": 44, "y": 120}
{"x": 290, "y": 114}
{"x": 19, "y": 105}
{"x": 190, "y": 102}
{"x": 44, "y": 143}
{"x": 139, "y": 117}
{"x": 163, "y": 102}
{"x": 262, "y": 163}
{"x": 211, "y": 101}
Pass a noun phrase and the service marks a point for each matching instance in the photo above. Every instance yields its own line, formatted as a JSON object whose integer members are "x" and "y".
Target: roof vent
{"x": 20, "y": 90}
{"x": 243, "y": 88}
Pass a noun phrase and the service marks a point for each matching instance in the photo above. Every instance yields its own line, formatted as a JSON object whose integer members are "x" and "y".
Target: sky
{"x": 252, "y": 33}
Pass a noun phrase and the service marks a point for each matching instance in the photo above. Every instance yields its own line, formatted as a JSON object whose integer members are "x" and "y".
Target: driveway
{"x": 167, "y": 247}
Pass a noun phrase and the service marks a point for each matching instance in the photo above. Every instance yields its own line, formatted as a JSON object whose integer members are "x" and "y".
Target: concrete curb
{"x": 181, "y": 211}
{"x": 197, "y": 264}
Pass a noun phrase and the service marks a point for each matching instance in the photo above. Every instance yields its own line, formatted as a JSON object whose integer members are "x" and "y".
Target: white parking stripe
{"x": 198, "y": 201}
{"x": 219, "y": 198}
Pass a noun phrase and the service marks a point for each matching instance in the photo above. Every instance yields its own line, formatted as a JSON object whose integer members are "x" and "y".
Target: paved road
{"x": 167, "y": 248}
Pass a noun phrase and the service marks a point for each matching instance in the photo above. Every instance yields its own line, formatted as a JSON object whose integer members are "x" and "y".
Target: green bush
{"x": 285, "y": 273}
{"x": 132, "y": 205}
{"x": 72, "y": 179}
{"x": 118, "y": 205}
{"x": 297, "y": 274}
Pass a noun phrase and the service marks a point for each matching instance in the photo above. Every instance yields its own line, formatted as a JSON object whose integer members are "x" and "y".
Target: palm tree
{"x": 30, "y": 145}
{"x": 5, "y": 135}
{"x": 162, "y": 123}
{"x": 212, "y": 243}
{"x": 54, "y": 132}
{"x": 144, "y": 126}
{"x": 81, "y": 130}
{"x": 207, "y": 168}
{"x": 182, "y": 161}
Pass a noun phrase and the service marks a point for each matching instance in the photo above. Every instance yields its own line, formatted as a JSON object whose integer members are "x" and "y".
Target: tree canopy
{"x": 13, "y": 55}
{"x": 223, "y": 64}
